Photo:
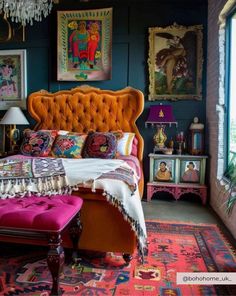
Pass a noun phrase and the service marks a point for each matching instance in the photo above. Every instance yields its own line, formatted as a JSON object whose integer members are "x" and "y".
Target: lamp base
{"x": 160, "y": 137}
{"x": 14, "y": 135}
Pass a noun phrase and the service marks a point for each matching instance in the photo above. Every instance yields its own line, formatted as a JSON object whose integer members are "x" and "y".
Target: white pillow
{"x": 124, "y": 145}
{"x": 62, "y": 132}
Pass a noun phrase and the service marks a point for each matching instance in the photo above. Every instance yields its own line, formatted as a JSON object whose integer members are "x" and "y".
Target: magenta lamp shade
{"x": 159, "y": 114}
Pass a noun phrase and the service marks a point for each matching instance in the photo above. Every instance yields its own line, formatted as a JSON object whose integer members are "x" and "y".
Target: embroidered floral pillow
{"x": 38, "y": 143}
{"x": 68, "y": 146}
{"x": 100, "y": 145}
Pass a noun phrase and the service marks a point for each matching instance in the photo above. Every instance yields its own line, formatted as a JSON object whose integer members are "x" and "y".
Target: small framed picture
{"x": 13, "y": 86}
{"x": 190, "y": 171}
{"x": 164, "y": 170}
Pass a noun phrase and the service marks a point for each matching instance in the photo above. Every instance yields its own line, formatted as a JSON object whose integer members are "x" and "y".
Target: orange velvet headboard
{"x": 87, "y": 108}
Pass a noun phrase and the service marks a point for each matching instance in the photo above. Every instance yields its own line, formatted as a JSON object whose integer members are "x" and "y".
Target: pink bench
{"x": 34, "y": 220}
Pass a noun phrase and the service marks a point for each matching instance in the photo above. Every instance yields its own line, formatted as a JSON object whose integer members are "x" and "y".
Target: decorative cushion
{"x": 38, "y": 143}
{"x": 124, "y": 145}
{"x": 63, "y": 132}
{"x": 100, "y": 145}
{"x": 69, "y": 146}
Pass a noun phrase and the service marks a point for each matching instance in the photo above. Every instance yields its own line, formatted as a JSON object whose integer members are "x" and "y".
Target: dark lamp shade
{"x": 161, "y": 114}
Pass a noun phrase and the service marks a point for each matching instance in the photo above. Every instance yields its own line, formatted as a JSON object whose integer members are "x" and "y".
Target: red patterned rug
{"x": 173, "y": 247}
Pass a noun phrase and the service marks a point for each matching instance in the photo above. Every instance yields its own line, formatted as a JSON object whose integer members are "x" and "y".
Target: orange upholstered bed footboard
{"x": 80, "y": 110}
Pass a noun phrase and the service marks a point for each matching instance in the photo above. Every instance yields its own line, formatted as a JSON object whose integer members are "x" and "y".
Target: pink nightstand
{"x": 184, "y": 174}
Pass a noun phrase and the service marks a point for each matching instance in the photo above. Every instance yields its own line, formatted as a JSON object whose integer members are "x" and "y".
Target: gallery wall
{"x": 131, "y": 20}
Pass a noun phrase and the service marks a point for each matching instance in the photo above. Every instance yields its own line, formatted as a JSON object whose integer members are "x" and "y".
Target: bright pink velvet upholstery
{"x": 134, "y": 150}
{"x": 39, "y": 213}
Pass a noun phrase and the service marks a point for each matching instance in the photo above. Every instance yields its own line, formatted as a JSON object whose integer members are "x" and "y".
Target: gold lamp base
{"x": 14, "y": 136}
{"x": 160, "y": 137}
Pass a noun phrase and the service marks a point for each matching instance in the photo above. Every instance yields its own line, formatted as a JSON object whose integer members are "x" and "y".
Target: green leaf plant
{"x": 230, "y": 189}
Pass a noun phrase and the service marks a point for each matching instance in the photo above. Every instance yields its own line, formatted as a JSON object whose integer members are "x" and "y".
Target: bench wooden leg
{"x": 55, "y": 260}
{"x": 75, "y": 232}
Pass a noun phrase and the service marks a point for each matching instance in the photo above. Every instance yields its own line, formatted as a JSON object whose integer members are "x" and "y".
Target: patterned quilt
{"x": 31, "y": 168}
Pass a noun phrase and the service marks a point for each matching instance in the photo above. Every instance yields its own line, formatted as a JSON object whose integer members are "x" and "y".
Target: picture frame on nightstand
{"x": 190, "y": 171}
{"x": 193, "y": 170}
{"x": 163, "y": 170}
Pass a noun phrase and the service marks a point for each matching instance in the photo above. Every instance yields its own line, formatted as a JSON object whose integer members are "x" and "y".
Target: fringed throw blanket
{"x": 20, "y": 177}
{"x": 124, "y": 174}
{"x": 46, "y": 176}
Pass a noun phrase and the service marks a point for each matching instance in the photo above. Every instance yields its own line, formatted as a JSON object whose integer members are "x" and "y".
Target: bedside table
{"x": 177, "y": 175}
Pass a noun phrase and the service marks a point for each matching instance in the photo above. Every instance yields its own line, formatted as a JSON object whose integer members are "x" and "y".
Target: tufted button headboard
{"x": 87, "y": 108}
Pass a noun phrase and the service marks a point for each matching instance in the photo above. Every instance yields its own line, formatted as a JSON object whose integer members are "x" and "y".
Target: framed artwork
{"x": 2, "y": 138}
{"x": 84, "y": 42}
{"x": 190, "y": 171}
{"x": 175, "y": 62}
{"x": 13, "y": 78}
{"x": 164, "y": 170}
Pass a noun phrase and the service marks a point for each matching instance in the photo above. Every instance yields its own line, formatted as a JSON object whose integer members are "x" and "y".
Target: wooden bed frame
{"x": 79, "y": 110}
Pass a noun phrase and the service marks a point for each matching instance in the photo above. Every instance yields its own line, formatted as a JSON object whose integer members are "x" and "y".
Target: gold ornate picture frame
{"x": 84, "y": 42}
{"x": 175, "y": 63}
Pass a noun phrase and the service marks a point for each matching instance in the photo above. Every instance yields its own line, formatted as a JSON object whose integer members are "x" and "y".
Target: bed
{"x": 105, "y": 228}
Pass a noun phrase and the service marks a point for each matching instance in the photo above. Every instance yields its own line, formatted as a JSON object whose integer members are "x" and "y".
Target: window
{"x": 231, "y": 84}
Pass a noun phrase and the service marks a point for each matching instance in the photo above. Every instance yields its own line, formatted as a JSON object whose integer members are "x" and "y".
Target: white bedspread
{"x": 86, "y": 170}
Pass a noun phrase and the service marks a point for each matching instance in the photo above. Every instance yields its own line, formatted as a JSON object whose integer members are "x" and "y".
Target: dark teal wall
{"x": 131, "y": 20}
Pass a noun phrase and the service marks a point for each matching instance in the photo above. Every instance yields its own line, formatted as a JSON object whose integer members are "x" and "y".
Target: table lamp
{"x": 14, "y": 116}
{"x": 160, "y": 116}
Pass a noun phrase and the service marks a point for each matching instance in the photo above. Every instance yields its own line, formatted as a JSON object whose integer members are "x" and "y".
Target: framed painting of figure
{"x": 190, "y": 171}
{"x": 84, "y": 45}
{"x": 175, "y": 62}
{"x": 13, "y": 84}
{"x": 164, "y": 170}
